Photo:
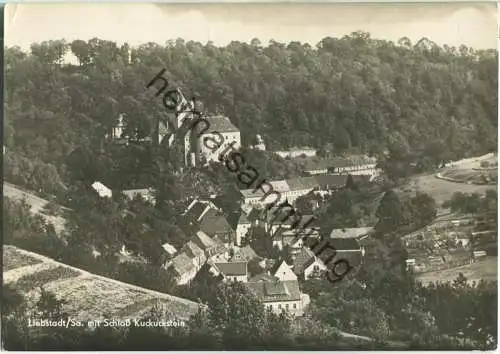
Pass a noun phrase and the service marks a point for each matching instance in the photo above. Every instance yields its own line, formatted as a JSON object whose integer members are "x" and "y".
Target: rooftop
{"x": 169, "y": 248}
{"x": 296, "y": 149}
{"x": 278, "y": 186}
{"x": 272, "y": 291}
{"x": 214, "y": 222}
{"x": 302, "y": 183}
{"x": 303, "y": 260}
{"x": 350, "y": 232}
{"x": 197, "y": 209}
{"x": 182, "y": 264}
{"x": 218, "y": 124}
{"x": 317, "y": 163}
{"x": 203, "y": 240}
{"x": 331, "y": 180}
{"x": 232, "y": 268}
{"x": 263, "y": 277}
{"x": 192, "y": 249}
{"x": 243, "y": 219}
{"x": 248, "y": 253}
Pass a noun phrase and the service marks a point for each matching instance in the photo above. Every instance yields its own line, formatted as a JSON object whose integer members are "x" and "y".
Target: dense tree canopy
{"x": 413, "y": 105}
{"x": 349, "y": 93}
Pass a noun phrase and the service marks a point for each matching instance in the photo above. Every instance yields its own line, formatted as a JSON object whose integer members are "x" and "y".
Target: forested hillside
{"x": 349, "y": 94}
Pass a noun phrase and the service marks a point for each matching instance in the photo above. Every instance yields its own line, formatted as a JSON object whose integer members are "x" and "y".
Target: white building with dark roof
{"x": 280, "y": 291}
{"x": 216, "y": 137}
{"x": 231, "y": 271}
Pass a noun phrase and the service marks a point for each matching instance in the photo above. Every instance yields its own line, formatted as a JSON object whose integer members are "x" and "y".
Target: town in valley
{"x": 116, "y": 211}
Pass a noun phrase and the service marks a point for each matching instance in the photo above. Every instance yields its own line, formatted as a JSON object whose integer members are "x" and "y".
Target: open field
{"x": 485, "y": 269}
{"x": 480, "y": 177}
{"x": 442, "y": 190}
{"x": 88, "y": 296}
{"x": 473, "y": 162}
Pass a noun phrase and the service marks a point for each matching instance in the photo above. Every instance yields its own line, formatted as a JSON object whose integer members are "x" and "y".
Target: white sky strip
{"x": 451, "y": 23}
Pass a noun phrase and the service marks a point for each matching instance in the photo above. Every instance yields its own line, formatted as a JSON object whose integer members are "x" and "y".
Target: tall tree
{"x": 389, "y": 212}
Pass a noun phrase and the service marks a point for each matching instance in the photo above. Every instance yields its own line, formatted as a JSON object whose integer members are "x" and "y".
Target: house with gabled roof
{"x": 195, "y": 253}
{"x": 294, "y": 239}
{"x": 283, "y": 271}
{"x": 298, "y": 187}
{"x": 231, "y": 271}
{"x": 349, "y": 249}
{"x": 162, "y": 132}
{"x": 280, "y": 291}
{"x": 197, "y": 209}
{"x": 306, "y": 265}
{"x": 207, "y": 244}
{"x": 206, "y": 217}
{"x": 215, "y": 224}
{"x": 246, "y": 254}
{"x": 183, "y": 268}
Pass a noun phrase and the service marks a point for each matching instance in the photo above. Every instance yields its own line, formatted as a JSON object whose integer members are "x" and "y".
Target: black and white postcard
{"x": 250, "y": 176}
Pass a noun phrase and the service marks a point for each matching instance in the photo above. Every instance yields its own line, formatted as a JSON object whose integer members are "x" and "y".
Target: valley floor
{"x": 486, "y": 269}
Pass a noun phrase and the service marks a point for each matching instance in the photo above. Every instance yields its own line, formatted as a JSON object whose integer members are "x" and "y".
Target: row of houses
{"x": 213, "y": 241}
{"x": 216, "y": 245}
{"x": 217, "y": 240}
{"x": 296, "y": 152}
{"x": 277, "y": 286}
{"x": 354, "y": 165}
{"x": 292, "y": 189}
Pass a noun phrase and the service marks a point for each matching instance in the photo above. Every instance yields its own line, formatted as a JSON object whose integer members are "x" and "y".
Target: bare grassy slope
{"x": 88, "y": 296}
